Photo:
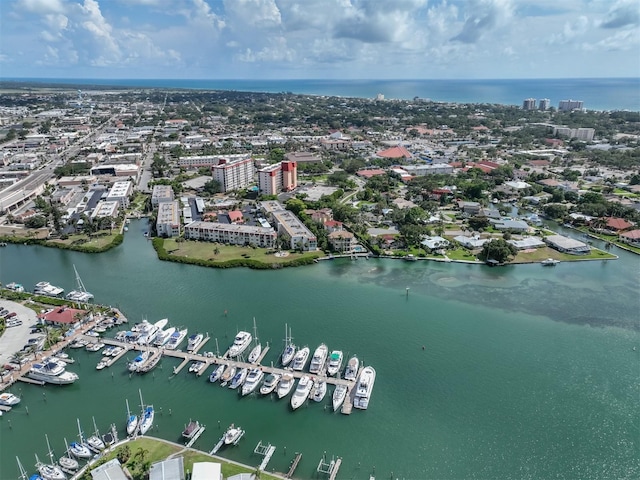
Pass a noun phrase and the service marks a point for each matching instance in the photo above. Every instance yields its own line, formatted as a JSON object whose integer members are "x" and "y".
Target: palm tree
{"x": 216, "y": 251}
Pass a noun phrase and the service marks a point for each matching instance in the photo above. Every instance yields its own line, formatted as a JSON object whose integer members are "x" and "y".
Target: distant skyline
{"x": 332, "y": 39}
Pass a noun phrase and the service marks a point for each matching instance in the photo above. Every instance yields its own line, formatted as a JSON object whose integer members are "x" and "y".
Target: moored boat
{"x": 335, "y": 362}
{"x": 132, "y": 421}
{"x": 285, "y": 385}
{"x": 364, "y": 388}
{"x": 176, "y": 338}
{"x": 138, "y": 361}
{"x": 46, "y": 289}
{"x": 270, "y": 383}
{"x": 196, "y": 366}
{"x": 151, "y": 362}
{"x": 227, "y": 375}
{"x": 300, "y": 359}
{"x": 351, "y": 371}
{"x": 51, "y": 372}
{"x": 239, "y": 378}
{"x": 233, "y": 435}
{"x": 191, "y": 429}
{"x": 194, "y": 341}
{"x": 217, "y": 373}
{"x": 240, "y": 344}
{"x": 254, "y": 378}
{"x": 300, "y": 395}
{"x": 289, "y": 348}
{"x": 9, "y": 399}
{"x": 146, "y": 421}
{"x": 319, "y": 391}
{"x": 95, "y": 442}
{"x": 549, "y": 262}
{"x": 339, "y": 394}
{"x": 163, "y": 336}
{"x": 16, "y": 287}
{"x": 319, "y": 359}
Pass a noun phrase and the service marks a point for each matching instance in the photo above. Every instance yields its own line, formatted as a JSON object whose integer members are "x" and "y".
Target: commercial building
{"x": 419, "y": 170}
{"x": 529, "y": 104}
{"x": 569, "y": 105}
{"x": 168, "y": 221}
{"x": 161, "y": 194}
{"x": 290, "y": 227}
{"x": 282, "y": 176}
{"x": 231, "y": 234}
{"x": 235, "y": 174}
{"x": 116, "y": 170}
{"x": 120, "y": 192}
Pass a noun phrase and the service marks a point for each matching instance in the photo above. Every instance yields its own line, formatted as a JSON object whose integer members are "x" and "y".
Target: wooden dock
{"x": 31, "y": 380}
{"x": 195, "y": 436}
{"x": 294, "y": 465}
{"x": 335, "y": 468}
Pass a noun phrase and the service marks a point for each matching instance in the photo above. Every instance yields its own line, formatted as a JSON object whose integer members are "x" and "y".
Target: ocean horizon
{"x": 596, "y": 93}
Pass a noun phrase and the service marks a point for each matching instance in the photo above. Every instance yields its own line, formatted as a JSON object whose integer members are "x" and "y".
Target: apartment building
{"x": 120, "y": 192}
{"x": 231, "y": 234}
{"x": 161, "y": 194}
{"x": 168, "y": 221}
{"x": 281, "y": 176}
{"x": 290, "y": 227}
{"x": 234, "y": 174}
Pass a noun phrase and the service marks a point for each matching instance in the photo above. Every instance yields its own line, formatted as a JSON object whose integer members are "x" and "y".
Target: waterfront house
{"x": 617, "y": 225}
{"x": 434, "y": 243}
{"x": 567, "y": 245}
{"x": 631, "y": 237}
{"x": 472, "y": 242}
{"x": 342, "y": 241}
{"x": 63, "y": 316}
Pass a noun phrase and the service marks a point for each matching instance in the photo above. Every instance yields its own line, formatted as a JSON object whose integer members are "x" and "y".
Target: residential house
{"x": 631, "y": 237}
{"x": 342, "y": 241}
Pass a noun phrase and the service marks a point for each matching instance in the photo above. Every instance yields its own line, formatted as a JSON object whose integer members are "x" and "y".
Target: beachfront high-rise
{"x": 569, "y": 105}
{"x": 529, "y": 104}
{"x": 544, "y": 104}
{"x": 281, "y": 176}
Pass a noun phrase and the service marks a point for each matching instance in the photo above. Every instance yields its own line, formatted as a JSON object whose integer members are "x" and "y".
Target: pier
{"x": 294, "y": 465}
{"x": 266, "y": 451}
{"x": 195, "y": 437}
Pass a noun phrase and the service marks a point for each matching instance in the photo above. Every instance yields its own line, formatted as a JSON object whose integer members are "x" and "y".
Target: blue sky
{"x": 333, "y": 39}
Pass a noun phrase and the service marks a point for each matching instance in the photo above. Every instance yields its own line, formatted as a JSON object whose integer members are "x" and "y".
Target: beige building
{"x": 342, "y": 241}
{"x": 120, "y": 192}
{"x": 161, "y": 194}
{"x": 281, "y": 176}
{"x": 168, "y": 221}
{"x": 231, "y": 234}
{"x": 234, "y": 175}
{"x": 290, "y": 227}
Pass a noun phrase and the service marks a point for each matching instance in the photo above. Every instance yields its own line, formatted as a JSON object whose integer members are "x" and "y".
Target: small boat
{"x": 270, "y": 383}
{"x": 285, "y": 385}
{"x": 319, "y": 391}
{"x": 227, "y": 375}
{"x": 67, "y": 462}
{"x": 132, "y": 421}
{"x": 103, "y": 363}
{"x": 233, "y": 435}
{"x": 351, "y": 371}
{"x": 240, "y": 344}
{"x": 194, "y": 341}
{"x": 239, "y": 378}
{"x": 300, "y": 359}
{"x": 137, "y": 362}
{"x": 335, "y": 362}
{"x": 46, "y": 289}
{"x": 549, "y": 262}
{"x": 305, "y": 384}
{"x": 197, "y": 366}
{"x": 254, "y": 378}
{"x": 339, "y": 394}
{"x": 289, "y": 349}
{"x": 16, "y": 287}
{"x": 217, "y": 373}
{"x": 364, "y": 388}
{"x": 9, "y": 399}
{"x": 147, "y": 419}
{"x": 107, "y": 351}
{"x": 95, "y": 442}
{"x": 94, "y": 347}
{"x": 191, "y": 429}
{"x": 78, "y": 344}
{"x": 175, "y": 339}
{"x": 116, "y": 351}
{"x": 257, "y": 349}
{"x": 319, "y": 359}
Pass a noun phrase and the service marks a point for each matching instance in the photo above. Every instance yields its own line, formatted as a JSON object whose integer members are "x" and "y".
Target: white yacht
{"x": 16, "y": 287}
{"x": 217, "y": 373}
{"x": 364, "y": 388}
{"x": 289, "y": 348}
{"x": 140, "y": 360}
{"x": 193, "y": 341}
{"x": 51, "y": 372}
{"x": 9, "y": 399}
{"x": 319, "y": 392}
{"x": 257, "y": 349}
{"x": 305, "y": 384}
{"x": 227, "y": 375}
{"x": 339, "y": 394}
{"x": 196, "y": 366}
{"x": 79, "y": 450}
{"x": 351, "y": 371}
{"x": 239, "y": 378}
{"x": 233, "y": 435}
{"x": 45, "y": 288}
{"x": 319, "y": 359}
{"x": 149, "y": 331}
{"x": 335, "y": 362}
{"x": 146, "y": 420}
{"x": 163, "y": 336}
{"x": 300, "y": 359}
{"x": 286, "y": 384}
{"x": 49, "y": 472}
{"x": 240, "y": 344}
{"x": 270, "y": 383}
{"x": 176, "y": 338}
{"x": 254, "y": 378}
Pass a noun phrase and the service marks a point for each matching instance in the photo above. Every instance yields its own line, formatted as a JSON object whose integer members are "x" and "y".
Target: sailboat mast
{"x": 49, "y": 449}
{"x": 23, "y": 472}
{"x": 79, "y": 281}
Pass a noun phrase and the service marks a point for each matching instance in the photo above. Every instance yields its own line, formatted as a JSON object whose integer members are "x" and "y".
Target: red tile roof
{"x": 235, "y": 215}
{"x": 370, "y": 173}
{"x": 62, "y": 315}
{"x": 631, "y": 235}
{"x": 618, "y": 223}
{"x": 395, "y": 152}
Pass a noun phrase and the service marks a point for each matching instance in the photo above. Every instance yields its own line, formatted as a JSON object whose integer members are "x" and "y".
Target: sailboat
{"x": 146, "y": 417}
{"x": 257, "y": 350}
{"x": 81, "y": 294}
{"x": 50, "y": 471}
{"x": 23, "y": 473}
{"x": 132, "y": 421}
{"x": 94, "y": 442}
{"x": 289, "y": 348}
{"x": 80, "y": 449}
{"x": 67, "y": 463}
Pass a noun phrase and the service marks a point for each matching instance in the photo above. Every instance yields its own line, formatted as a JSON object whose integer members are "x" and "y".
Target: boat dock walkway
{"x": 195, "y": 437}
{"x": 294, "y": 465}
{"x": 214, "y": 360}
{"x": 266, "y": 451}
{"x": 335, "y": 468}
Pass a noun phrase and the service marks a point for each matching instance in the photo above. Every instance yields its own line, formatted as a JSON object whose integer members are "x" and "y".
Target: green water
{"x": 526, "y": 372}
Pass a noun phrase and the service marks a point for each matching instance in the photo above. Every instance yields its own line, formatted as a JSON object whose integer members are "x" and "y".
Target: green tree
{"x": 37, "y": 221}
{"x": 497, "y": 249}
{"x": 212, "y": 187}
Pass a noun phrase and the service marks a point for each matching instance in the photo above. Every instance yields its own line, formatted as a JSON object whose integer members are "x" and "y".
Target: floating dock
{"x": 195, "y": 437}
{"x": 266, "y": 451}
{"x": 294, "y": 465}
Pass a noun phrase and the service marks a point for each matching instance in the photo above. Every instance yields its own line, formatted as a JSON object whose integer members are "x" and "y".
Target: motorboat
{"x": 146, "y": 420}
{"x": 285, "y": 385}
{"x": 335, "y": 362}
{"x": 147, "y": 332}
{"x": 351, "y": 371}
{"x": 254, "y": 378}
{"x": 300, "y": 359}
{"x": 339, "y": 394}
{"x": 270, "y": 383}
{"x": 319, "y": 359}
{"x": 176, "y": 338}
{"x": 103, "y": 363}
{"x": 240, "y": 344}
{"x": 9, "y": 399}
{"x": 319, "y": 391}
{"x": 51, "y": 372}
{"x": 116, "y": 351}
{"x": 46, "y": 289}
{"x": 239, "y": 378}
{"x": 132, "y": 421}
{"x": 196, "y": 366}
{"x": 364, "y": 388}
{"x": 194, "y": 341}
{"x": 77, "y": 343}
{"x": 191, "y": 429}
{"x": 217, "y": 373}
{"x": 289, "y": 349}
{"x": 233, "y": 435}
{"x": 94, "y": 346}
{"x": 164, "y": 336}
{"x": 138, "y": 361}
{"x": 107, "y": 351}
{"x": 16, "y": 287}
{"x": 300, "y": 395}
{"x": 227, "y": 375}
{"x": 549, "y": 262}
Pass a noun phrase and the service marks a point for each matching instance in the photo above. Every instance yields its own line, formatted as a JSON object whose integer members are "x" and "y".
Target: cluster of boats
{"x": 140, "y": 424}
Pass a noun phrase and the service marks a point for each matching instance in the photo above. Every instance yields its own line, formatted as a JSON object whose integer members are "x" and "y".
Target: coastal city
{"x": 236, "y": 179}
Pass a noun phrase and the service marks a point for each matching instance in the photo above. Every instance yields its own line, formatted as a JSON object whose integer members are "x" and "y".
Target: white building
{"x": 281, "y": 176}
{"x": 198, "y": 161}
{"x": 235, "y": 174}
{"x": 168, "y": 221}
{"x": 529, "y": 104}
{"x": 544, "y": 104}
{"x": 568, "y": 105}
{"x": 206, "y": 471}
{"x": 290, "y": 227}
{"x": 120, "y": 192}
{"x": 105, "y": 209}
{"x": 160, "y": 194}
{"x": 231, "y": 234}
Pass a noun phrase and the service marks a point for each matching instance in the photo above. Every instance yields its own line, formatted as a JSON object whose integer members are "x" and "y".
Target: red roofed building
{"x": 370, "y": 173}
{"x": 333, "y": 225}
{"x": 617, "y": 224}
{"x": 63, "y": 315}
{"x": 235, "y": 216}
{"x": 632, "y": 238}
{"x": 395, "y": 152}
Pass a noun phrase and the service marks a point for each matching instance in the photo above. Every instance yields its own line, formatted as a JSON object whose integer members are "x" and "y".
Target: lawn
{"x": 461, "y": 254}
{"x": 207, "y": 251}
{"x": 97, "y": 241}
{"x": 543, "y": 253}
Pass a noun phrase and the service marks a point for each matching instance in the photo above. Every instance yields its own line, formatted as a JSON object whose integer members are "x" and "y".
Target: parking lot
{"x": 16, "y": 337}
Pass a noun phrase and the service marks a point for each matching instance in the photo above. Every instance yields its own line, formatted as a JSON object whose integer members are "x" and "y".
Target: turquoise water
{"x": 526, "y": 372}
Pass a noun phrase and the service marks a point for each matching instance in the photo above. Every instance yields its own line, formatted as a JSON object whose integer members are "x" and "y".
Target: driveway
{"x": 14, "y": 338}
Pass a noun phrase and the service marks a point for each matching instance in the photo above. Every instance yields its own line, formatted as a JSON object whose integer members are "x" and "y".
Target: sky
{"x": 319, "y": 39}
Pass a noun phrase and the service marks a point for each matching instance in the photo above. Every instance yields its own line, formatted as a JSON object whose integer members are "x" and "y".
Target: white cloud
{"x": 623, "y": 13}
{"x": 257, "y": 13}
{"x": 482, "y": 16}
{"x": 41, "y": 6}
{"x": 572, "y": 29}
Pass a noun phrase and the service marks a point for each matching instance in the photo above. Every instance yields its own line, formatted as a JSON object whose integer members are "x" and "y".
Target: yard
{"x": 83, "y": 241}
{"x": 543, "y": 253}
